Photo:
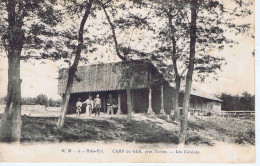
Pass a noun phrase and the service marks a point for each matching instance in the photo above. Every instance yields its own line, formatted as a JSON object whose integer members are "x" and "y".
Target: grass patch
{"x": 222, "y": 129}
{"x": 245, "y": 137}
{"x": 140, "y": 129}
{"x": 146, "y": 132}
{"x": 78, "y": 130}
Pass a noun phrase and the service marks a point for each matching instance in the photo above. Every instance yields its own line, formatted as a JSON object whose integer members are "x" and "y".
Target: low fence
{"x": 228, "y": 114}
{"x": 239, "y": 114}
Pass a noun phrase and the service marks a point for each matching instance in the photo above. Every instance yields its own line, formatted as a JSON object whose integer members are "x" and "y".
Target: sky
{"x": 237, "y": 76}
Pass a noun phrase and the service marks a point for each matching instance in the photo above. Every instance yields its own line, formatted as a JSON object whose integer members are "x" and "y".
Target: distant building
{"x": 148, "y": 88}
{"x": 203, "y": 103}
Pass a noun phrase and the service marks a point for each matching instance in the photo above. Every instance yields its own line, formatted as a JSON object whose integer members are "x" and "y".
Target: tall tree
{"x": 170, "y": 12}
{"x": 123, "y": 24}
{"x": 92, "y": 8}
{"x": 186, "y": 100}
{"x": 171, "y": 44}
{"x": 123, "y": 50}
{"x": 210, "y": 32}
{"x": 72, "y": 70}
{"x": 113, "y": 29}
{"x": 122, "y": 57}
{"x": 17, "y": 29}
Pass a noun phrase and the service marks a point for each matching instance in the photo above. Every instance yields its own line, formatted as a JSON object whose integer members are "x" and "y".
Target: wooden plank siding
{"x": 108, "y": 77}
{"x": 204, "y": 105}
{"x": 114, "y": 78}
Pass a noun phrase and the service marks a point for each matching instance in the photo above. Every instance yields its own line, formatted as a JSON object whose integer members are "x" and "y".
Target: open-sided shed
{"x": 140, "y": 78}
{"x": 137, "y": 83}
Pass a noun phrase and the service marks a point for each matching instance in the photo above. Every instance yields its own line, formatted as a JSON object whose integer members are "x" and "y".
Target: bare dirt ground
{"x": 37, "y": 111}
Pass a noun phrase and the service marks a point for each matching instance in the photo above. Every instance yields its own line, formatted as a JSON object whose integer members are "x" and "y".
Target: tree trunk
{"x": 176, "y": 72}
{"x": 6, "y": 120}
{"x": 11, "y": 123}
{"x": 186, "y": 100}
{"x": 123, "y": 58}
{"x": 176, "y": 99}
{"x": 66, "y": 97}
{"x": 73, "y": 68}
{"x": 17, "y": 100}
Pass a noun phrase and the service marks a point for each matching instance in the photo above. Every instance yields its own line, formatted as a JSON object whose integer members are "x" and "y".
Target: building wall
{"x": 156, "y": 99}
{"x": 205, "y": 105}
{"x": 140, "y": 101}
{"x": 168, "y": 105}
{"x": 84, "y": 96}
{"x": 216, "y": 107}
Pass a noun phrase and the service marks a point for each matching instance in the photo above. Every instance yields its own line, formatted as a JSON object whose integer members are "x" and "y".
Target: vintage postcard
{"x": 108, "y": 81}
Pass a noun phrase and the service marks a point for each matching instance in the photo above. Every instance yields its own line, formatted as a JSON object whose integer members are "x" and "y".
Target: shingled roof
{"x": 115, "y": 76}
{"x": 200, "y": 93}
{"x": 110, "y": 76}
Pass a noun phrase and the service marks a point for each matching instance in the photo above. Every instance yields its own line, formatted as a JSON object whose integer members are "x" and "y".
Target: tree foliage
{"x": 245, "y": 101}
{"x": 37, "y": 21}
{"x": 41, "y": 99}
{"x": 215, "y": 23}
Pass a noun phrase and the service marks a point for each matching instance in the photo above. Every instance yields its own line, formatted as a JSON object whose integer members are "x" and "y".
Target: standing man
{"x": 89, "y": 106}
{"x": 78, "y": 105}
{"x": 110, "y": 103}
{"x": 97, "y": 105}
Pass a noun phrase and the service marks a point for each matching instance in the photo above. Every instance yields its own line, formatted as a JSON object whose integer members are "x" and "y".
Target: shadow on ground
{"x": 140, "y": 129}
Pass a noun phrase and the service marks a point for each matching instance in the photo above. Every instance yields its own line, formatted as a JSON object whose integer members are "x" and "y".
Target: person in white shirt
{"x": 89, "y": 106}
{"x": 78, "y": 105}
{"x": 97, "y": 105}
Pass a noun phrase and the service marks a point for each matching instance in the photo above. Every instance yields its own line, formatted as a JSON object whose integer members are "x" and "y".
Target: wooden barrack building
{"x": 147, "y": 89}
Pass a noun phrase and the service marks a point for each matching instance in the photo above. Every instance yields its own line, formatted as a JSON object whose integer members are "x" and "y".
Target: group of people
{"x": 95, "y": 105}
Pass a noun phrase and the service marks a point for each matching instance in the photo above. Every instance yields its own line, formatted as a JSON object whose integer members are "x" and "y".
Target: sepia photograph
{"x": 127, "y": 81}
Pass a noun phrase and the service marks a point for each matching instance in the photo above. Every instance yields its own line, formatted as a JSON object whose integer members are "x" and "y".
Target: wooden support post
{"x": 162, "y": 102}
{"x": 201, "y": 106}
{"x": 132, "y": 101}
{"x": 172, "y": 105}
{"x": 119, "y": 111}
{"x": 129, "y": 102}
{"x": 150, "y": 110}
{"x": 196, "y": 104}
